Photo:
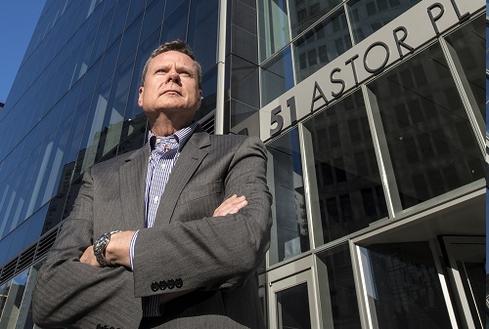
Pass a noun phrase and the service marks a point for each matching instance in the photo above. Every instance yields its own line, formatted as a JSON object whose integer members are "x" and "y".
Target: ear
{"x": 140, "y": 97}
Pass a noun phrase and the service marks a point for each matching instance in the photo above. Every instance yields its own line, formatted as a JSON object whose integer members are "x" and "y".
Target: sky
{"x": 18, "y": 19}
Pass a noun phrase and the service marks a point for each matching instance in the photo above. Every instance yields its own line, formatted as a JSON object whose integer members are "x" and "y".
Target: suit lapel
{"x": 189, "y": 160}
{"x": 132, "y": 175}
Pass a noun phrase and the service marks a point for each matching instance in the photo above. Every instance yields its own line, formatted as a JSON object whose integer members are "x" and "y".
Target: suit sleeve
{"x": 211, "y": 252}
{"x": 71, "y": 294}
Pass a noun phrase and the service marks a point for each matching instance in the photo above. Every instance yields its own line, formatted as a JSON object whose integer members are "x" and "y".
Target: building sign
{"x": 394, "y": 41}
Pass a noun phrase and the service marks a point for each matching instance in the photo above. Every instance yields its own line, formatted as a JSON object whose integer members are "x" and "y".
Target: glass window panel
{"x": 113, "y": 121}
{"x": 293, "y": 308}
{"x": 99, "y": 106}
{"x": 244, "y": 78}
{"x": 12, "y": 305}
{"x": 277, "y": 77}
{"x": 209, "y": 88}
{"x": 4, "y": 288}
{"x": 153, "y": 18}
{"x": 320, "y": 45}
{"x": 135, "y": 9}
{"x": 274, "y": 26}
{"x": 290, "y": 234}
{"x": 366, "y": 17}
{"x": 175, "y": 21}
{"x": 469, "y": 44}
{"x": 431, "y": 113}
{"x": 340, "y": 308}
{"x": 202, "y": 32}
{"x": 119, "y": 20}
{"x": 487, "y": 48}
{"x": 304, "y": 13}
{"x": 402, "y": 280}
{"x": 240, "y": 111}
{"x": 346, "y": 172}
{"x": 102, "y": 36}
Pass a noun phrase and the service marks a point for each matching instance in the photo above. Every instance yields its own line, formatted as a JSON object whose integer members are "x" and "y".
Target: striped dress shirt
{"x": 164, "y": 154}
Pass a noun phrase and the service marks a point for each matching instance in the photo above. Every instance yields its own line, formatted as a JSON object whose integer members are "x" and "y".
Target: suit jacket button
{"x": 155, "y": 286}
{"x": 171, "y": 284}
{"x": 163, "y": 285}
{"x": 178, "y": 283}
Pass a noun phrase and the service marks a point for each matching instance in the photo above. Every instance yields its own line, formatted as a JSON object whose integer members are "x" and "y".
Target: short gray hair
{"x": 176, "y": 45}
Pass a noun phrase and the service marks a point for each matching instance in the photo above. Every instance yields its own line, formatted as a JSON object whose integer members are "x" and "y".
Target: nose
{"x": 173, "y": 76}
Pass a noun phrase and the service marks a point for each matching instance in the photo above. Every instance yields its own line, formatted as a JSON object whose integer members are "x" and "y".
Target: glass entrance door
{"x": 466, "y": 257}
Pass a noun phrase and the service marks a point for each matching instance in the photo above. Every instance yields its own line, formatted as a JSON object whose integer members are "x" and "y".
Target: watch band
{"x": 100, "y": 245}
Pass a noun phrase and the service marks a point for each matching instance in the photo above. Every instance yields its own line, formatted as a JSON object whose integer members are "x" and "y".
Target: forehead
{"x": 173, "y": 57}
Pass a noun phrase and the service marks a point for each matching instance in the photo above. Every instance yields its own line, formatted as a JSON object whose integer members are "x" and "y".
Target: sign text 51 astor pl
{"x": 400, "y": 37}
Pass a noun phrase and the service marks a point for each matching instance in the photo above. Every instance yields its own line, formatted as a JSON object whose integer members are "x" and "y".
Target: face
{"x": 171, "y": 86}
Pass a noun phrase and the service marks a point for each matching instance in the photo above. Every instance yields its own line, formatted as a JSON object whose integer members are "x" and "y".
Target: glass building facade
{"x": 375, "y": 134}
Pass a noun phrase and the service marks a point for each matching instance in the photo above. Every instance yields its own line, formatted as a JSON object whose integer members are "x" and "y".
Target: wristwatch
{"x": 100, "y": 245}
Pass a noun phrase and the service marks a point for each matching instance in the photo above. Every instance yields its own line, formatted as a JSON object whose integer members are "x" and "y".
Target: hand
{"x": 89, "y": 258}
{"x": 231, "y": 205}
{"x": 117, "y": 251}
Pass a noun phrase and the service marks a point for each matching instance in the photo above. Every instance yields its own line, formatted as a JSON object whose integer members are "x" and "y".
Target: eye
{"x": 185, "y": 74}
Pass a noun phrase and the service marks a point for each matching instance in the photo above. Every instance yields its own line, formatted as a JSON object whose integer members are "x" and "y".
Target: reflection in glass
{"x": 12, "y": 304}
{"x": 469, "y": 43}
{"x": 322, "y": 44}
{"x": 276, "y": 77}
{"x": 366, "y": 17}
{"x": 340, "y": 309}
{"x": 347, "y": 176}
{"x": 431, "y": 143}
{"x": 202, "y": 36}
{"x": 244, "y": 89}
{"x": 274, "y": 26}
{"x": 175, "y": 21}
{"x": 290, "y": 234}
{"x": 3, "y": 295}
{"x": 293, "y": 308}
{"x": 403, "y": 287}
{"x": 303, "y": 13}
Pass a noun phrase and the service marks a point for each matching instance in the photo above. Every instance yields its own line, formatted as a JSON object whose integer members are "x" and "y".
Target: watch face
{"x": 100, "y": 245}
{"x": 99, "y": 248}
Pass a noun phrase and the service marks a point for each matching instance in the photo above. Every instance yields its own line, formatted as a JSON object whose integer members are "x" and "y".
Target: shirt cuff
{"x": 131, "y": 248}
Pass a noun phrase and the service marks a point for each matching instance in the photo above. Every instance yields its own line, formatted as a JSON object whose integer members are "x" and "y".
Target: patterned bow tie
{"x": 163, "y": 145}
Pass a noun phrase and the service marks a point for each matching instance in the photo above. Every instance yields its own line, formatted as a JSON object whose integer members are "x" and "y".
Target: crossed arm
{"x": 117, "y": 252}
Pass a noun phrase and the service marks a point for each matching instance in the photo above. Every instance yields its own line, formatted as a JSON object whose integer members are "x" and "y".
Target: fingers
{"x": 88, "y": 257}
{"x": 231, "y": 205}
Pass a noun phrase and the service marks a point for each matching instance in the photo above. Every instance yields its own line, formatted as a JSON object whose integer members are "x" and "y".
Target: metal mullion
{"x": 290, "y": 43}
{"x": 221, "y": 69}
{"x": 437, "y": 256}
{"x": 310, "y": 188}
{"x": 476, "y": 123}
{"x": 348, "y": 23}
{"x": 363, "y": 308}
{"x": 318, "y": 21}
{"x": 382, "y": 154}
{"x": 368, "y": 313}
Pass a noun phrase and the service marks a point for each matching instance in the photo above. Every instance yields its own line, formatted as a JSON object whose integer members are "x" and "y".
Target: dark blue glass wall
{"x": 73, "y": 102}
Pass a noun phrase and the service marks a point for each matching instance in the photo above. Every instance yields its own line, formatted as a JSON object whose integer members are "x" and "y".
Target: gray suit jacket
{"x": 208, "y": 262}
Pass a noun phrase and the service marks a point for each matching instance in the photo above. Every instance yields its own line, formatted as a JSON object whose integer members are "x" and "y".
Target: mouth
{"x": 172, "y": 92}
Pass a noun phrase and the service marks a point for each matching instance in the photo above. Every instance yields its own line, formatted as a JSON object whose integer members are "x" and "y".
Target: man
{"x": 169, "y": 236}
